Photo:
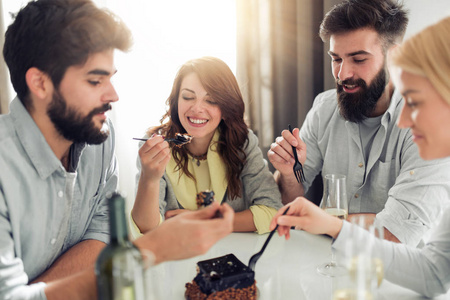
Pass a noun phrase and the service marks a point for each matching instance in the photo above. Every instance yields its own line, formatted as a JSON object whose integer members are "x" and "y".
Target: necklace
{"x": 197, "y": 157}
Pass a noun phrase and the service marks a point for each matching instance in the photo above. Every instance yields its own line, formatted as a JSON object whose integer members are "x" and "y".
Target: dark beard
{"x": 358, "y": 106}
{"x": 74, "y": 127}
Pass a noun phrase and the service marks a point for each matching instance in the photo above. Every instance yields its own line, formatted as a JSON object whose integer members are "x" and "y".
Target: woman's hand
{"x": 305, "y": 215}
{"x": 154, "y": 155}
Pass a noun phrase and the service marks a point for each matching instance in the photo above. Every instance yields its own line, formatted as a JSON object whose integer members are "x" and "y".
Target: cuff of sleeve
{"x": 262, "y": 215}
{"x": 40, "y": 290}
{"x": 135, "y": 232}
{"x": 35, "y": 291}
{"x": 340, "y": 242}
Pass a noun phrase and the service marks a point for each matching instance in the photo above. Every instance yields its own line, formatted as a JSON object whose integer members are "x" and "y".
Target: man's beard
{"x": 74, "y": 127}
{"x": 356, "y": 107}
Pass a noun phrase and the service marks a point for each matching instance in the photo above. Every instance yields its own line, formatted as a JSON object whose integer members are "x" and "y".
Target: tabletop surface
{"x": 286, "y": 270}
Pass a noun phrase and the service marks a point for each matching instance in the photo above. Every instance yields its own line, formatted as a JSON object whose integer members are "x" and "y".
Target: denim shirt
{"x": 406, "y": 192}
{"x": 45, "y": 210}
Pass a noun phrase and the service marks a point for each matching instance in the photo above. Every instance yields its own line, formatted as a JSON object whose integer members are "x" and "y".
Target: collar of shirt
{"x": 34, "y": 143}
{"x": 396, "y": 100}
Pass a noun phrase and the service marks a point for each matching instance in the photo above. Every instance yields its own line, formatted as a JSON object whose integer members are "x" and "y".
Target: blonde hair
{"x": 428, "y": 54}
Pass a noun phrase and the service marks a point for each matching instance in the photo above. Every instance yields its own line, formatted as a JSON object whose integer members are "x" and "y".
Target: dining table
{"x": 286, "y": 270}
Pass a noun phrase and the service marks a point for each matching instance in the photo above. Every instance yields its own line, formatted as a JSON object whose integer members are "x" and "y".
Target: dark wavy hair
{"x": 53, "y": 35}
{"x": 387, "y": 17}
{"x": 221, "y": 84}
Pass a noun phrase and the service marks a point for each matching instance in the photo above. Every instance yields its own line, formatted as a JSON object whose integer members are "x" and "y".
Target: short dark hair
{"x": 53, "y": 35}
{"x": 387, "y": 17}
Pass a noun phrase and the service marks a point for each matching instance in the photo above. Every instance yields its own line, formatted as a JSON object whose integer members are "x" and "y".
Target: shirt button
{"x": 356, "y": 195}
{"x": 53, "y": 241}
{"x": 360, "y": 165}
{"x": 60, "y": 194}
{"x": 411, "y": 172}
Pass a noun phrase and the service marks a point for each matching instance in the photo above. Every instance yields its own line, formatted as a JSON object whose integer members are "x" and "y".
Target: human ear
{"x": 38, "y": 82}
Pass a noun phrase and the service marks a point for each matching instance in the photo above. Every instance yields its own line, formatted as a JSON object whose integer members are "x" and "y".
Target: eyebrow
{"x": 207, "y": 94}
{"x": 360, "y": 52}
{"x": 101, "y": 72}
{"x": 409, "y": 91}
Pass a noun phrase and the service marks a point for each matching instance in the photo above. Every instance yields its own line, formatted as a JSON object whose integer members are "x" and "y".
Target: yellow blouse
{"x": 210, "y": 175}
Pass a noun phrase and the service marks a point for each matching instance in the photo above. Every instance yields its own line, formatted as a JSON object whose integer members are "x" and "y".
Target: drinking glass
{"x": 334, "y": 202}
{"x": 365, "y": 266}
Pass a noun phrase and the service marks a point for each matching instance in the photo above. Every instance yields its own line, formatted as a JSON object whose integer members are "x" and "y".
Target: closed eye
{"x": 412, "y": 104}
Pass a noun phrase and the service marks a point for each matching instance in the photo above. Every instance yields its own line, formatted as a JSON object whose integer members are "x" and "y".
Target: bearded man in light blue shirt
{"x": 352, "y": 130}
{"x": 57, "y": 162}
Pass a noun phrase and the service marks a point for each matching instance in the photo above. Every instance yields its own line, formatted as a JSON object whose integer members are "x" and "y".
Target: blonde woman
{"x": 421, "y": 68}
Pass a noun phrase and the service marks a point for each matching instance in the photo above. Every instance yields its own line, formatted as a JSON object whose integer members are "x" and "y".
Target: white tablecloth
{"x": 286, "y": 270}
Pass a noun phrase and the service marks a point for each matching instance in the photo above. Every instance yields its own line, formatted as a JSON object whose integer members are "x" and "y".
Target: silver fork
{"x": 298, "y": 168}
{"x": 255, "y": 257}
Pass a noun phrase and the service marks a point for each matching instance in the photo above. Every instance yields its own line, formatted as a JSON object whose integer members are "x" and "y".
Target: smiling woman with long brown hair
{"x": 223, "y": 155}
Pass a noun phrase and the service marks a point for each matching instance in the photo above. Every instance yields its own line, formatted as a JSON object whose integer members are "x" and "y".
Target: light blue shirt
{"x": 425, "y": 271}
{"x": 406, "y": 192}
{"x": 45, "y": 210}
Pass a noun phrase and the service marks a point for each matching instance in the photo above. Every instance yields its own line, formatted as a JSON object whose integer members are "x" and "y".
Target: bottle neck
{"x": 117, "y": 220}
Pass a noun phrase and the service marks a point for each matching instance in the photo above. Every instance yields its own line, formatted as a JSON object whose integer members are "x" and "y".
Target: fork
{"x": 170, "y": 140}
{"x": 255, "y": 257}
{"x": 298, "y": 168}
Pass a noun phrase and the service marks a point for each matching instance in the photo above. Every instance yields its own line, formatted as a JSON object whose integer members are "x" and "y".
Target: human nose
{"x": 345, "y": 71}
{"x": 197, "y": 105}
{"x": 405, "y": 121}
{"x": 110, "y": 94}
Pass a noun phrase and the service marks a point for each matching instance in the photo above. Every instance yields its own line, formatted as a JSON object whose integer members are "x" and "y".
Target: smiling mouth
{"x": 197, "y": 121}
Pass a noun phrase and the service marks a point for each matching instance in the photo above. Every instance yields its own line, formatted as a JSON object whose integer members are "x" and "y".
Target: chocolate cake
{"x": 182, "y": 139}
{"x": 204, "y": 198}
{"x": 224, "y": 277}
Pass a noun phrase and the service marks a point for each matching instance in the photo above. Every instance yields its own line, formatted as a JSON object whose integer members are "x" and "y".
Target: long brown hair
{"x": 220, "y": 83}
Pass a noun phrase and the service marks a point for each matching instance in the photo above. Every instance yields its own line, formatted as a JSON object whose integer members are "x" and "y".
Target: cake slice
{"x": 223, "y": 276}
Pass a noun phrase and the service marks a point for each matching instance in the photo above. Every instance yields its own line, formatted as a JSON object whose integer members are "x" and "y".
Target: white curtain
{"x": 166, "y": 34}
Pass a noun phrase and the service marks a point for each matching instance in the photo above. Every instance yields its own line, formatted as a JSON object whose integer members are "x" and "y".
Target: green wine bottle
{"x": 119, "y": 267}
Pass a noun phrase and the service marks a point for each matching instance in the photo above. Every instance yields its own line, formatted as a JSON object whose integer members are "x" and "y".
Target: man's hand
{"x": 281, "y": 157}
{"x": 189, "y": 234}
{"x": 305, "y": 215}
{"x": 280, "y": 153}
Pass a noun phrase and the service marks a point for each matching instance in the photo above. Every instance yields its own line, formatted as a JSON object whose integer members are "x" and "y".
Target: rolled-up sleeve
{"x": 419, "y": 195}
{"x": 262, "y": 215}
{"x": 260, "y": 188}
